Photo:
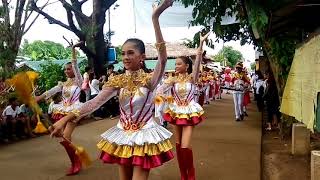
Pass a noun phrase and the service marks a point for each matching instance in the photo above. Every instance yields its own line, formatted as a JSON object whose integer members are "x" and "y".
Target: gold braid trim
{"x": 181, "y": 78}
{"x": 129, "y": 82}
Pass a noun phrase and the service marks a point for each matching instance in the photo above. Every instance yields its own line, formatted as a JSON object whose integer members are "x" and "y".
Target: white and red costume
{"x": 136, "y": 140}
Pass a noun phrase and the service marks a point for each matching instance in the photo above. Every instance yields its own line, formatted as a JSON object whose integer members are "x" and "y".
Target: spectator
{"x": 94, "y": 85}
{"x": 56, "y": 100}
{"x": 28, "y": 117}
{"x": 259, "y": 87}
{"x": 110, "y": 71}
{"x": 85, "y": 85}
{"x": 272, "y": 101}
{"x": 254, "y": 79}
{"x": 13, "y": 125}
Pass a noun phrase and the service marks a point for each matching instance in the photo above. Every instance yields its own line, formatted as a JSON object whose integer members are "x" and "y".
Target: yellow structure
{"x": 303, "y": 84}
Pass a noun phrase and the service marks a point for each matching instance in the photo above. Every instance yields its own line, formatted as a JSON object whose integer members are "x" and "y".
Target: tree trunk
{"x": 98, "y": 19}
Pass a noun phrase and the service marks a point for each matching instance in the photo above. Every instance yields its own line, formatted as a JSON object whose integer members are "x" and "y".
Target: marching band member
{"x": 239, "y": 83}
{"x": 183, "y": 111}
{"x": 137, "y": 143}
{"x": 70, "y": 90}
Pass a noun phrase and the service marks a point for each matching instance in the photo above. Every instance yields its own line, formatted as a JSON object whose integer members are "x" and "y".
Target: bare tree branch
{"x": 87, "y": 51}
{"x": 30, "y": 25}
{"x": 82, "y": 22}
{"x": 7, "y": 13}
{"x": 107, "y": 4}
{"x": 31, "y": 11}
{"x": 72, "y": 25}
{"x": 34, "y": 20}
{"x": 82, "y": 2}
{"x": 75, "y": 10}
{"x": 69, "y": 42}
{"x": 47, "y": 16}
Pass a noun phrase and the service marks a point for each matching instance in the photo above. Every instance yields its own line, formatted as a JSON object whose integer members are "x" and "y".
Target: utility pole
{"x": 109, "y": 25}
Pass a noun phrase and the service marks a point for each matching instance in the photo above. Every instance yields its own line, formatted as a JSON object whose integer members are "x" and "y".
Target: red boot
{"x": 182, "y": 167}
{"x": 75, "y": 161}
{"x": 188, "y": 161}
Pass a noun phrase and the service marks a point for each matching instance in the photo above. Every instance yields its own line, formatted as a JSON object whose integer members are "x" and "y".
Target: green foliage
{"x": 253, "y": 66}
{"x": 195, "y": 42}
{"x": 282, "y": 49}
{"x": 50, "y": 75}
{"x": 258, "y": 18}
{"x": 205, "y": 11}
{"x": 228, "y": 54}
{"x": 1, "y": 12}
{"x": 45, "y": 50}
{"x": 83, "y": 65}
{"x": 119, "y": 53}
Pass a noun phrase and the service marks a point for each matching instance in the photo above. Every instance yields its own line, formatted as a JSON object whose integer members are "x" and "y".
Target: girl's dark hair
{"x": 83, "y": 96}
{"x": 144, "y": 67}
{"x": 56, "y": 96}
{"x": 91, "y": 76}
{"x": 259, "y": 74}
{"x": 86, "y": 69}
{"x": 138, "y": 44}
{"x": 12, "y": 99}
{"x": 188, "y": 61}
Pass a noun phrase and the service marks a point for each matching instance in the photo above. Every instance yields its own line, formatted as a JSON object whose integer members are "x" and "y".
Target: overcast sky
{"x": 128, "y": 23}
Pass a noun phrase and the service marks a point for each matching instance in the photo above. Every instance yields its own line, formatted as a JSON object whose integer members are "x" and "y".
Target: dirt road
{"x": 224, "y": 150}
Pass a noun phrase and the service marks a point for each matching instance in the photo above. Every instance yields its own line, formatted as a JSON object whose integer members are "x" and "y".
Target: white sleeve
{"x": 7, "y": 112}
{"x": 50, "y": 108}
{"x": 95, "y": 82}
{"x": 4, "y": 112}
{"x": 18, "y": 110}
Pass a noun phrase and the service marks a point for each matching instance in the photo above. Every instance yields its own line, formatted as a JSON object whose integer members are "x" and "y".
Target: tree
{"x": 50, "y": 74}
{"x": 205, "y": 11}
{"x": 229, "y": 55}
{"x": 119, "y": 53}
{"x": 253, "y": 66}
{"x": 194, "y": 43}
{"x": 45, "y": 50}
{"x": 12, "y": 28}
{"x": 254, "y": 18}
{"x": 88, "y": 28}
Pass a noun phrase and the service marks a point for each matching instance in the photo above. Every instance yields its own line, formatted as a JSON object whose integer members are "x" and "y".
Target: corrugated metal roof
{"x": 36, "y": 65}
{"x": 151, "y": 64}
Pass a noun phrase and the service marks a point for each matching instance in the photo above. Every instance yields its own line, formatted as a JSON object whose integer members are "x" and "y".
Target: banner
{"x": 176, "y": 16}
{"x": 301, "y": 91}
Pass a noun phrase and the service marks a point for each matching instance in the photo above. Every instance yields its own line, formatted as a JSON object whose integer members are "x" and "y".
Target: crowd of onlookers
{"x": 267, "y": 98}
{"x": 17, "y": 120}
{"x": 91, "y": 87}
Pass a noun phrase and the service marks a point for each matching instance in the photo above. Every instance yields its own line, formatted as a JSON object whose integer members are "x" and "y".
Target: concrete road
{"x": 224, "y": 150}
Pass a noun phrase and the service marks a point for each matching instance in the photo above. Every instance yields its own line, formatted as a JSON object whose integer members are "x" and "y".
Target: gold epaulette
{"x": 115, "y": 81}
{"x": 130, "y": 82}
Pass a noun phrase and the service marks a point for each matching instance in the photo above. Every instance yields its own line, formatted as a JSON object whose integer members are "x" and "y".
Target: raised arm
{"x": 160, "y": 44}
{"x": 48, "y": 94}
{"x": 90, "y": 106}
{"x": 195, "y": 73}
{"x": 75, "y": 68}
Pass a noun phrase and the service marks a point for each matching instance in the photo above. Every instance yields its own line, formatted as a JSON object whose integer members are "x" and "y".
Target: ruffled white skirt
{"x": 150, "y": 133}
{"x": 62, "y": 108}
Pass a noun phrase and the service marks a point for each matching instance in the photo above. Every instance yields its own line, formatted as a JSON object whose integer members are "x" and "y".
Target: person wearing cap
{"x": 239, "y": 82}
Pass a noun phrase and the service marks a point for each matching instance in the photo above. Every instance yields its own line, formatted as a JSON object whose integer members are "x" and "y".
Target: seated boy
{"x": 27, "y": 115}
{"x": 56, "y": 100}
{"x": 13, "y": 125}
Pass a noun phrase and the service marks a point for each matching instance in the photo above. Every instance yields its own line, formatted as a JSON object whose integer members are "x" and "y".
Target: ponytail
{"x": 187, "y": 60}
